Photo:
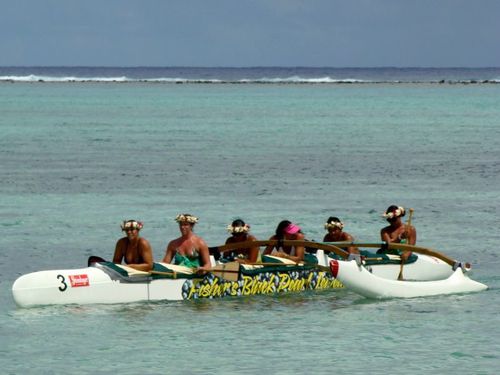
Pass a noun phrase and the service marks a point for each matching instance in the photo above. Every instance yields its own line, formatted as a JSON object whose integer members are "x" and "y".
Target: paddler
{"x": 286, "y": 230}
{"x": 239, "y": 231}
{"x": 336, "y": 233}
{"x": 133, "y": 249}
{"x": 398, "y": 232}
{"x": 189, "y": 249}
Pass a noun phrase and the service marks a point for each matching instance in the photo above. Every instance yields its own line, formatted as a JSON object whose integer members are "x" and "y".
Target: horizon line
{"x": 248, "y": 67}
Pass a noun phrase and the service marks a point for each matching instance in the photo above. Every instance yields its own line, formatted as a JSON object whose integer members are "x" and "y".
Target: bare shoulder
{"x": 200, "y": 241}
{"x": 347, "y": 237}
{"x": 173, "y": 244}
{"x": 144, "y": 241}
{"x": 121, "y": 242}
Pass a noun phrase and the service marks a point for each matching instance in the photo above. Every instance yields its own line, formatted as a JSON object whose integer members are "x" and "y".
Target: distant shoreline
{"x": 251, "y": 75}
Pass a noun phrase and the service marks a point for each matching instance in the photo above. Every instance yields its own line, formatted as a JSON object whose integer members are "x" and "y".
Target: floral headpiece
{"x": 239, "y": 229}
{"x": 398, "y": 212}
{"x": 186, "y": 218}
{"x": 131, "y": 224}
{"x": 334, "y": 224}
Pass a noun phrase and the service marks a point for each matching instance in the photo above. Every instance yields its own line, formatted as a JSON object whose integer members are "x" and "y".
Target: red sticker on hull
{"x": 79, "y": 280}
{"x": 334, "y": 268}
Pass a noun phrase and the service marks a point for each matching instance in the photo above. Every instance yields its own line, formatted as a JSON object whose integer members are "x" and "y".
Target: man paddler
{"x": 398, "y": 232}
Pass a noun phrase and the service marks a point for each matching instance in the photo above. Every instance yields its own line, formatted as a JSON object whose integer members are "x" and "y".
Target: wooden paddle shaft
{"x": 408, "y": 225}
{"x": 399, "y": 246}
{"x": 332, "y": 248}
{"x": 336, "y": 247}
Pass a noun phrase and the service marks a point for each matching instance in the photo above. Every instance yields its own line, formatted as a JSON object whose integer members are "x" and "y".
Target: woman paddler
{"x": 286, "y": 230}
{"x": 189, "y": 249}
{"x": 335, "y": 229}
{"x": 134, "y": 250}
{"x": 239, "y": 231}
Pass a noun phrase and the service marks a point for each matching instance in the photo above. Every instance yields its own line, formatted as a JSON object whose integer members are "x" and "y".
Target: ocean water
{"x": 82, "y": 149}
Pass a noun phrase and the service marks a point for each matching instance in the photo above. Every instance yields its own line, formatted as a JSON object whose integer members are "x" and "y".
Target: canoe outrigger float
{"x": 109, "y": 283}
{"x": 359, "y": 278}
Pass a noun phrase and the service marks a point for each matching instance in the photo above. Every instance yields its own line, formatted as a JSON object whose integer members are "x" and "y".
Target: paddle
{"x": 270, "y": 264}
{"x": 228, "y": 271}
{"x": 408, "y": 227}
{"x": 336, "y": 247}
{"x": 424, "y": 251}
{"x": 329, "y": 247}
{"x": 308, "y": 244}
{"x": 400, "y": 246}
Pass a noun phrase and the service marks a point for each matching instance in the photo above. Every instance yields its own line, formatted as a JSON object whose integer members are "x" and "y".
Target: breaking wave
{"x": 257, "y": 75}
{"x": 277, "y": 80}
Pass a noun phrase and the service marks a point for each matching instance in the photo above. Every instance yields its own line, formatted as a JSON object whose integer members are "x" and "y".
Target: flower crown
{"x": 186, "y": 218}
{"x": 131, "y": 224}
{"x": 400, "y": 211}
{"x": 239, "y": 229}
{"x": 334, "y": 224}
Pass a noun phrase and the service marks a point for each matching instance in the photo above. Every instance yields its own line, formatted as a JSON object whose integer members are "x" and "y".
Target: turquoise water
{"x": 77, "y": 158}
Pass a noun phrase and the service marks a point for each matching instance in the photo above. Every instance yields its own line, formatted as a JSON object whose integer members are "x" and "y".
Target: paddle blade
{"x": 227, "y": 271}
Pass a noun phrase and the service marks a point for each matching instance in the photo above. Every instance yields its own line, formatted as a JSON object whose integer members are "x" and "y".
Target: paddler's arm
{"x": 118, "y": 255}
{"x": 269, "y": 249}
{"x": 411, "y": 234}
{"x": 169, "y": 252}
{"x": 253, "y": 252}
{"x": 351, "y": 249}
{"x": 204, "y": 256}
{"x": 299, "y": 251}
{"x": 385, "y": 237}
{"x": 299, "y": 254}
{"x": 296, "y": 259}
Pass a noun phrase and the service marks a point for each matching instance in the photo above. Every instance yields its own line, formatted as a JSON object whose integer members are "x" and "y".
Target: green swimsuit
{"x": 188, "y": 261}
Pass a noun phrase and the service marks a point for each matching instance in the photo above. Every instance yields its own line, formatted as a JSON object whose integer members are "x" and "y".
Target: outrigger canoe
{"x": 109, "y": 283}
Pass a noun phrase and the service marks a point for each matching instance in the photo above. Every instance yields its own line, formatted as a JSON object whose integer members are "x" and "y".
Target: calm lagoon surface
{"x": 79, "y": 156}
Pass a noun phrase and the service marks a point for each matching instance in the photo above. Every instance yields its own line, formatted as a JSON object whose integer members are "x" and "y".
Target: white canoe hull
{"x": 361, "y": 281}
{"x": 91, "y": 285}
{"x": 85, "y": 286}
{"x": 94, "y": 285}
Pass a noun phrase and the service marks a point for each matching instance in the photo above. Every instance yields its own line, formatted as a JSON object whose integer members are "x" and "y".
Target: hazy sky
{"x": 336, "y": 33}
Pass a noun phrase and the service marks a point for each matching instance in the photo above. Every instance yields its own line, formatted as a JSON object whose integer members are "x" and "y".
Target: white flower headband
{"x": 400, "y": 211}
{"x": 131, "y": 224}
{"x": 334, "y": 224}
{"x": 240, "y": 229}
{"x": 186, "y": 218}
